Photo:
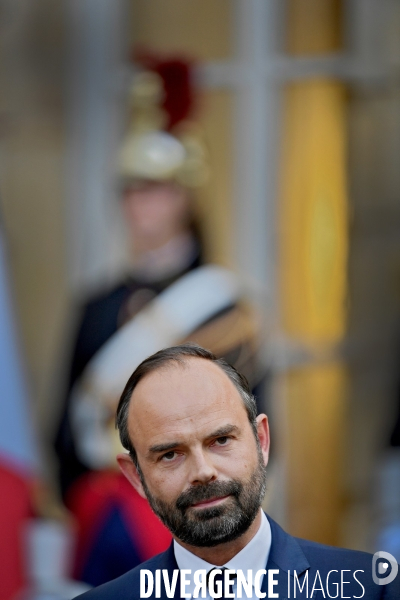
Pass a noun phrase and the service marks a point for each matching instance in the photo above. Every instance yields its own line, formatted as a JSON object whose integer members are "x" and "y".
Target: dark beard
{"x": 207, "y": 527}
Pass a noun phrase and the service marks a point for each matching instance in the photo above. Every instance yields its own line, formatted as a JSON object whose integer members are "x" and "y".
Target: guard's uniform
{"x": 101, "y": 317}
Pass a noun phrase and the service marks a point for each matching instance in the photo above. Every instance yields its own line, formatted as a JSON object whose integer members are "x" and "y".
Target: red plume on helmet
{"x": 162, "y": 142}
{"x": 176, "y": 74}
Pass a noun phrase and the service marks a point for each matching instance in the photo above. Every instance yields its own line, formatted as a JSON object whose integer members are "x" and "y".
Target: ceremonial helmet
{"x": 162, "y": 143}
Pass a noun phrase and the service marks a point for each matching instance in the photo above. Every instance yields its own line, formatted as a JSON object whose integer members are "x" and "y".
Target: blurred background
{"x": 292, "y": 120}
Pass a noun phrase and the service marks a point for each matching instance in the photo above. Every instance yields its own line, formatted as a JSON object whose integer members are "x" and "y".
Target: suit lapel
{"x": 285, "y": 555}
{"x": 169, "y": 562}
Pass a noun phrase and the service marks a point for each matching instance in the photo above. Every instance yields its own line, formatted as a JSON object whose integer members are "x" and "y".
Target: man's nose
{"x": 202, "y": 469}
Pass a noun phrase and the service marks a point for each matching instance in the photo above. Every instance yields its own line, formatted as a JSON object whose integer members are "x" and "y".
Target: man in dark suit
{"x": 197, "y": 451}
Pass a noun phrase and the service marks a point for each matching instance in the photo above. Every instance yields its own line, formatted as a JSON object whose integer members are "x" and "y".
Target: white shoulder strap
{"x": 171, "y": 316}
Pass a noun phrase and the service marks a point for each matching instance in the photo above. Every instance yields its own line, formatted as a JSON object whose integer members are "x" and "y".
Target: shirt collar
{"x": 253, "y": 557}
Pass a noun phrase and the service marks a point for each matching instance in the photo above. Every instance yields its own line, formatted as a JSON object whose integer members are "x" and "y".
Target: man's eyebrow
{"x": 220, "y": 432}
{"x": 224, "y": 430}
{"x": 162, "y": 447}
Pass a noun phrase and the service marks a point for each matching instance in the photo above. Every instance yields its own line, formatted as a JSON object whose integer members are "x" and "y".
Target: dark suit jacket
{"x": 287, "y": 554}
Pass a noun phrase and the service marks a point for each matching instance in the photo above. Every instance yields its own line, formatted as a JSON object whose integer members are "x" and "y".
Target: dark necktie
{"x": 220, "y": 577}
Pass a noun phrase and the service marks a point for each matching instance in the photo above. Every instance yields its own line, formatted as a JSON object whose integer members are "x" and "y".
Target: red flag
{"x": 18, "y": 458}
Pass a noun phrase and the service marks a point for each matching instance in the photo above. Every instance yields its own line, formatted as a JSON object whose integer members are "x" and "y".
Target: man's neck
{"x": 171, "y": 257}
{"x": 223, "y": 553}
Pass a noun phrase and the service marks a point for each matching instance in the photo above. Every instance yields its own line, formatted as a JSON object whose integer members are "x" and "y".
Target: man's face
{"x": 200, "y": 465}
{"x": 155, "y": 210}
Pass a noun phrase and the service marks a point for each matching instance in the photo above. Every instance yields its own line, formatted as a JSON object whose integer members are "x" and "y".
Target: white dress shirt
{"x": 252, "y": 557}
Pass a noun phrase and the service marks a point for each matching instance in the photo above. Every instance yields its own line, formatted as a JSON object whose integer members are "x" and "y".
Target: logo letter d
{"x": 389, "y": 558}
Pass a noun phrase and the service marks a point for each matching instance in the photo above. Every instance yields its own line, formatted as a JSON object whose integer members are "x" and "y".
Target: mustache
{"x": 211, "y": 490}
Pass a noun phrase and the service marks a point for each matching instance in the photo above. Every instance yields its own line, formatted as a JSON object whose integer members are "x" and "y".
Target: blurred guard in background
{"x": 169, "y": 297}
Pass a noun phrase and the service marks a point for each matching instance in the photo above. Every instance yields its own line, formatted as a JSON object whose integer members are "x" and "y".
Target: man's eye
{"x": 222, "y": 441}
{"x": 168, "y": 456}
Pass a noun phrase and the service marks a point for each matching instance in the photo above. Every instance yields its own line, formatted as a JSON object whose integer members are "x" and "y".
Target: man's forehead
{"x": 187, "y": 387}
{"x": 184, "y": 372}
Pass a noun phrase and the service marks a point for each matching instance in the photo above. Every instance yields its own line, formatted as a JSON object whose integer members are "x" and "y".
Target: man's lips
{"x": 210, "y": 502}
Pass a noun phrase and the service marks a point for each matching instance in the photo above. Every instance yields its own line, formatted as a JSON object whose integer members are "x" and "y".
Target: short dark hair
{"x": 178, "y": 354}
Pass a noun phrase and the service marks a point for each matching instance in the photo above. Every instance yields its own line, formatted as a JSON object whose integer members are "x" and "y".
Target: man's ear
{"x": 263, "y": 436}
{"x": 130, "y": 471}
